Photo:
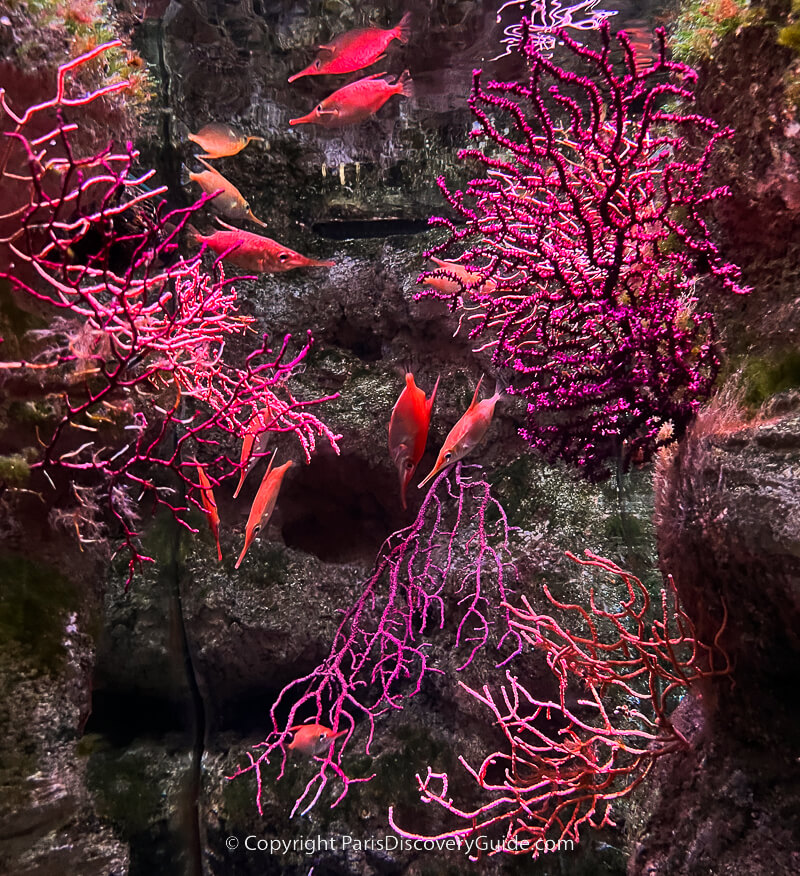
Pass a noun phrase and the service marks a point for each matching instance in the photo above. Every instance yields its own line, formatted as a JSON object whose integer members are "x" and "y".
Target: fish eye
{"x": 322, "y": 737}
{"x": 283, "y": 257}
{"x": 318, "y": 108}
{"x": 447, "y": 457}
{"x": 409, "y": 464}
{"x": 317, "y": 63}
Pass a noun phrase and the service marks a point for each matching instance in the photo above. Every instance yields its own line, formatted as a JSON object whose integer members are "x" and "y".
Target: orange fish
{"x": 467, "y": 432}
{"x": 449, "y": 286}
{"x": 254, "y": 443}
{"x": 230, "y": 201}
{"x": 356, "y": 101}
{"x": 408, "y": 430}
{"x": 355, "y": 49}
{"x": 255, "y": 253}
{"x": 263, "y": 504}
{"x": 220, "y": 140}
{"x": 312, "y": 739}
{"x": 209, "y": 505}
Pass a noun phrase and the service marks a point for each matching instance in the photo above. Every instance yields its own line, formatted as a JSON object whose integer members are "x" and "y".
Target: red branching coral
{"x": 452, "y": 565}
{"x": 586, "y": 240}
{"x": 134, "y": 358}
{"x": 570, "y": 756}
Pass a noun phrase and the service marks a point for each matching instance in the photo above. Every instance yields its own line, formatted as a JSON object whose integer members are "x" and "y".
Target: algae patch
{"x": 34, "y": 600}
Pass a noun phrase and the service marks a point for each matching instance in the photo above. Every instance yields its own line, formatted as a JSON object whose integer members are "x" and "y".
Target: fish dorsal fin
{"x": 208, "y": 166}
{"x": 269, "y": 465}
{"x": 433, "y": 395}
{"x": 475, "y": 397}
{"x": 228, "y": 225}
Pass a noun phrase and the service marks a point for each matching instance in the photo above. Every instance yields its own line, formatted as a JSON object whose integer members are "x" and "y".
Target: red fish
{"x": 356, "y": 101}
{"x": 449, "y": 286}
{"x": 263, "y": 504}
{"x": 220, "y": 140}
{"x": 467, "y": 432}
{"x": 230, "y": 201}
{"x": 209, "y": 505}
{"x": 408, "y": 430}
{"x": 255, "y": 253}
{"x": 355, "y": 49}
{"x": 312, "y": 739}
{"x": 253, "y": 444}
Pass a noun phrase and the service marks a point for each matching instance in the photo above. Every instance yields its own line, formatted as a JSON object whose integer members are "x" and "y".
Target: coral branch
{"x": 135, "y": 351}
{"x": 569, "y": 756}
{"x": 544, "y": 20}
{"x": 440, "y": 567}
{"x": 582, "y": 248}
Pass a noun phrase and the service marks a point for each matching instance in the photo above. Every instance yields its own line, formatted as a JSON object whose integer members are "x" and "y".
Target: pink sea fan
{"x": 588, "y": 243}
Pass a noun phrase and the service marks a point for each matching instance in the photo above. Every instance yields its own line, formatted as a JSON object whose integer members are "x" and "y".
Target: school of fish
{"x": 410, "y": 418}
{"x": 352, "y": 103}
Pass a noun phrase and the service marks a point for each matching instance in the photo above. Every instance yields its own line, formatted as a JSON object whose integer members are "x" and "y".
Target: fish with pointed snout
{"x": 467, "y": 432}
{"x": 263, "y": 504}
{"x": 252, "y": 252}
{"x": 408, "y": 430}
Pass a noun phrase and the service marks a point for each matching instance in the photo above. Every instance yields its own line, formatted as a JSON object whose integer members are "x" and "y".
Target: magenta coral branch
{"x": 451, "y": 563}
{"x": 137, "y": 353}
{"x": 585, "y": 243}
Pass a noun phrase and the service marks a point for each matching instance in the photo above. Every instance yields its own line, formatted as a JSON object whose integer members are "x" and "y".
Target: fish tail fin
{"x": 500, "y": 389}
{"x": 195, "y": 237}
{"x": 406, "y": 86}
{"x": 403, "y": 29}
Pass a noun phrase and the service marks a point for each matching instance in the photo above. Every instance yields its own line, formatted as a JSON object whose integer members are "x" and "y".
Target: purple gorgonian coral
{"x": 582, "y": 249}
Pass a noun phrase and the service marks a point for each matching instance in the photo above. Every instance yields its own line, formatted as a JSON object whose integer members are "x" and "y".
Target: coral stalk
{"x": 135, "y": 360}
{"x": 569, "y": 756}
{"x": 451, "y": 565}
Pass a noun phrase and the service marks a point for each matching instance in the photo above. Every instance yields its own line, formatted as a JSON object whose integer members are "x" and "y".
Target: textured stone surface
{"x": 727, "y": 506}
{"x": 190, "y": 660}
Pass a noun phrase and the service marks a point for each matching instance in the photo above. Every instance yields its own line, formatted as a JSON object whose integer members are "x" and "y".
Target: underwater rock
{"x": 728, "y": 506}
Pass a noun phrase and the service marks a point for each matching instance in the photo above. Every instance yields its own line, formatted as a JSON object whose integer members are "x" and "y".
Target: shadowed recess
{"x": 122, "y": 716}
{"x": 366, "y": 228}
{"x": 340, "y": 509}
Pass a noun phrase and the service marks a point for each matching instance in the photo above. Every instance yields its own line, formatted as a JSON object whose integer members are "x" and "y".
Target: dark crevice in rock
{"x": 340, "y": 509}
{"x": 122, "y": 716}
{"x": 360, "y": 341}
{"x": 364, "y": 229}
